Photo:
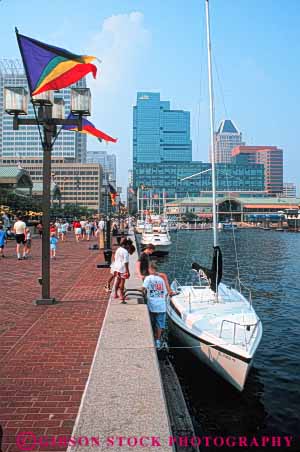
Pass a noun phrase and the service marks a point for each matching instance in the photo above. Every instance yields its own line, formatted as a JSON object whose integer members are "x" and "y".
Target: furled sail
{"x": 214, "y": 275}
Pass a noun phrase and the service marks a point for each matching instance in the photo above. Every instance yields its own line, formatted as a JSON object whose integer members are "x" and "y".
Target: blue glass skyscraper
{"x": 159, "y": 133}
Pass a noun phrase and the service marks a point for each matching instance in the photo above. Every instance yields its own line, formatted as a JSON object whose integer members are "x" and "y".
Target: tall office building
{"x": 25, "y": 141}
{"x": 272, "y": 159}
{"x": 108, "y": 163}
{"x": 159, "y": 133}
{"x": 226, "y": 138}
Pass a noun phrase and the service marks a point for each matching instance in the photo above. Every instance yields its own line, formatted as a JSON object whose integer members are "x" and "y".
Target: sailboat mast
{"x": 212, "y": 123}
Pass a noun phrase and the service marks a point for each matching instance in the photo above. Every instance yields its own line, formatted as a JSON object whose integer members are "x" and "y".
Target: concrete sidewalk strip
{"x": 124, "y": 395}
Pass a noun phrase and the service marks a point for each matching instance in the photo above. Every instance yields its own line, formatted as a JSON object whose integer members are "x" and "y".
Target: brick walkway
{"x": 46, "y": 352}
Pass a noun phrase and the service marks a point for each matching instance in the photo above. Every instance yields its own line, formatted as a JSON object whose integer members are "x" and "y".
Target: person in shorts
{"x": 83, "y": 231}
{"x": 27, "y": 247}
{"x": 88, "y": 230}
{"x": 53, "y": 245}
{"x": 19, "y": 230}
{"x": 131, "y": 249}
{"x": 64, "y": 228}
{"x": 155, "y": 288}
{"x": 77, "y": 230}
{"x": 121, "y": 269}
{"x": 2, "y": 240}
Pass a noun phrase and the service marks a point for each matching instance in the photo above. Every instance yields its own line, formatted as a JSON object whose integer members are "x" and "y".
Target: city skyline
{"x": 139, "y": 53}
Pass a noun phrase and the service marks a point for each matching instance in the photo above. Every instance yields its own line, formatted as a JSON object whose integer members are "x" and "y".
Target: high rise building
{"x": 289, "y": 190}
{"x": 79, "y": 183}
{"x": 26, "y": 141}
{"x": 226, "y": 138}
{"x": 159, "y": 133}
{"x": 272, "y": 159}
{"x": 108, "y": 163}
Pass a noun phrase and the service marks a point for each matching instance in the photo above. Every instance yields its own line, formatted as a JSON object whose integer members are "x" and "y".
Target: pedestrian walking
{"x": 28, "y": 242}
{"x": 53, "y": 245}
{"x": 40, "y": 229}
{"x": 58, "y": 225}
{"x": 2, "y": 240}
{"x": 83, "y": 230}
{"x": 77, "y": 230}
{"x": 19, "y": 230}
{"x": 64, "y": 228}
{"x": 88, "y": 229}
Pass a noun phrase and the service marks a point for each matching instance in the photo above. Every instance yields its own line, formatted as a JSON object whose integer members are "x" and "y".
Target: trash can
{"x": 107, "y": 255}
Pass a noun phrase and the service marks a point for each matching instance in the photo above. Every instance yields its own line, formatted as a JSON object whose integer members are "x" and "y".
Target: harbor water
{"x": 269, "y": 405}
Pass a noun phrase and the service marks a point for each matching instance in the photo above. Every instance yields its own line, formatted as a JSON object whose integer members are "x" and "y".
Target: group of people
{"x": 155, "y": 284}
{"x": 85, "y": 229}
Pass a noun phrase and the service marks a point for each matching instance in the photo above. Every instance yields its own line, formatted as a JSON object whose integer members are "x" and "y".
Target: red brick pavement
{"x": 46, "y": 351}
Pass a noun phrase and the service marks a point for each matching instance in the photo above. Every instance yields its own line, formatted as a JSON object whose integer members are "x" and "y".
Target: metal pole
{"x": 45, "y": 300}
{"x": 108, "y": 244}
{"x": 212, "y": 123}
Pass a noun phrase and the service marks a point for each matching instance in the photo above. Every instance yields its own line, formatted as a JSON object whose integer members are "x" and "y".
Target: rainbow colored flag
{"x": 88, "y": 128}
{"x": 51, "y": 68}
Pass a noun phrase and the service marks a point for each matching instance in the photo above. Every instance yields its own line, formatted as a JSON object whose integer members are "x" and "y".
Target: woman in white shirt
{"x": 120, "y": 267}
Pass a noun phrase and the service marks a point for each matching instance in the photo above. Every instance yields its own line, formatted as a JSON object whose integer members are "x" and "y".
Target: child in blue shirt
{"x": 53, "y": 245}
{"x": 2, "y": 240}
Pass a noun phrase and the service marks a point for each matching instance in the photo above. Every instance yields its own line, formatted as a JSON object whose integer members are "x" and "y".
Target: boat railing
{"x": 246, "y": 328}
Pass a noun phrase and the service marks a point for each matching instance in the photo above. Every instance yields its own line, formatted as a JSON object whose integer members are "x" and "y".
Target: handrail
{"x": 242, "y": 325}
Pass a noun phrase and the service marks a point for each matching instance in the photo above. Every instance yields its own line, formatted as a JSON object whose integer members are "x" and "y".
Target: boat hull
{"x": 231, "y": 367}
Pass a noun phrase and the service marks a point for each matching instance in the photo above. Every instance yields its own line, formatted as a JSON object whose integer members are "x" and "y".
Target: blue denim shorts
{"x": 158, "y": 319}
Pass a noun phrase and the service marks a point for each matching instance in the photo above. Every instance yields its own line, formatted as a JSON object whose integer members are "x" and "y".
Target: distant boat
{"x": 159, "y": 238}
{"x": 140, "y": 226}
{"x": 217, "y": 323}
{"x": 227, "y": 226}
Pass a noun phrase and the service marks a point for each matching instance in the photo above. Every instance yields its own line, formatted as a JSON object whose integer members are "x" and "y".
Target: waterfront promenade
{"x": 46, "y": 351}
{"x": 85, "y": 368}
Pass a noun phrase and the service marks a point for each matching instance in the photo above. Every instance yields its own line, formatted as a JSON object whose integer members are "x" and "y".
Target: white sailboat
{"x": 217, "y": 322}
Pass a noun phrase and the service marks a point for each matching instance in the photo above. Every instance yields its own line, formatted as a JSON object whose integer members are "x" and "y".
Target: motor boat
{"x": 159, "y": 238}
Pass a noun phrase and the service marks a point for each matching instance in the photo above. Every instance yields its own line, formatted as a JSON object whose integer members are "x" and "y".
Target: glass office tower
{"x": 25, "y": 141}
{"x": 159, "y": 133}
{"x": 167, "y": 177}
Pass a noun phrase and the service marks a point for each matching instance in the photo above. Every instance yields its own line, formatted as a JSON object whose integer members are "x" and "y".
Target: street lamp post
{"x": 50, "y": 115}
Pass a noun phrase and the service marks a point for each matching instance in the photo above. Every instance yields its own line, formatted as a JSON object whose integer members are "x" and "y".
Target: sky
{"x": 160, "y": 46}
